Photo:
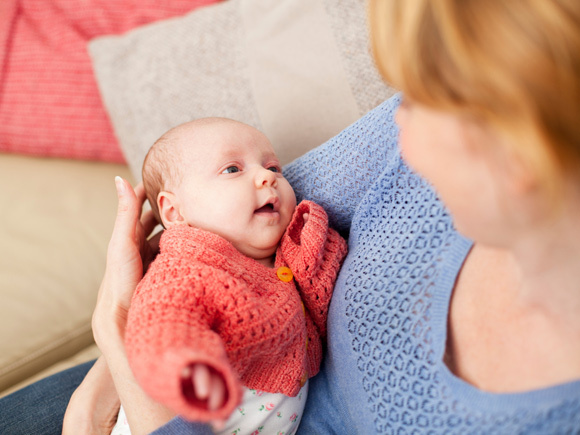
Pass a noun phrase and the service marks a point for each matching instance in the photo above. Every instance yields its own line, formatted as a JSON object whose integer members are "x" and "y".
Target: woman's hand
{"x": 128, "y": 255}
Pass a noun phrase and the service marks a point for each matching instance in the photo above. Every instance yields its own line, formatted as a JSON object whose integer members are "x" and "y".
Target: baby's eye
{"x": 231, "y": 170}
{"x": 274, "y": 169}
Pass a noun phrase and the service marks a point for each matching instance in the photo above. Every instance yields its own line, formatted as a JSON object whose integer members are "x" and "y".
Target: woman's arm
{"x": 337, "y": 174}
{"x": 127, "y": 258}
{"x": 94, "y": 406}
{"x": 127, "y": 251}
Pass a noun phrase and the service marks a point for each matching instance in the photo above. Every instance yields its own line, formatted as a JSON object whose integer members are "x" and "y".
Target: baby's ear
{"x": 169, "y": 210}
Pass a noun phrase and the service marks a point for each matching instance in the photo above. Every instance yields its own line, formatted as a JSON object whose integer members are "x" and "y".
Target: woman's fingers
{"x": 124, "y": 265}
{"x": 128, "y": 200}
{"x": 127, "y": 210}
{"x": 140, "y": 193}
{"x": 149, "y": 222}
{"x": 154, "y": 242}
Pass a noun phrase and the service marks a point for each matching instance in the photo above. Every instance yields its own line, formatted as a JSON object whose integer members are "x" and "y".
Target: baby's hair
{"x": 160, "y": 169}
{"x": 163, "y": 166}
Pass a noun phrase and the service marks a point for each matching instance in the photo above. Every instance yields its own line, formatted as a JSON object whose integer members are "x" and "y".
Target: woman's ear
{"x": 511, "y": 168}
{"x": 519, "y": 174}
{"x": 169, "y": 209}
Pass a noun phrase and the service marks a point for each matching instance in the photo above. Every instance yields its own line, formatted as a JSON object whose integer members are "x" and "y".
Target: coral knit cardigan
{"x": 202, "y": 301}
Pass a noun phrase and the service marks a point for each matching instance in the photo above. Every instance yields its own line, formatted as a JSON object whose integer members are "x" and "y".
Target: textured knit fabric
{"x": 387, "y": 322}
{"x": 202, "y": 301}
{"x": 49, "y": 101}
{"x": 383, "y": 372}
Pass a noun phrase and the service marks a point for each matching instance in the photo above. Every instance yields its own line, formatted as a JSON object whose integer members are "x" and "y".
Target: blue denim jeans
{"x": 39, "y": 408}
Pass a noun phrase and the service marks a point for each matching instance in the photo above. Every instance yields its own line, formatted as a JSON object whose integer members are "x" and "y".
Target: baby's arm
{"x": 170, "y": 342}
{"x": 337, "y": 174}
{"x": 314, "y": 253}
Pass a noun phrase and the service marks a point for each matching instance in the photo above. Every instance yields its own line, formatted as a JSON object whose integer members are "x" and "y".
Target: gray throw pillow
{"x": 298, "y": 70}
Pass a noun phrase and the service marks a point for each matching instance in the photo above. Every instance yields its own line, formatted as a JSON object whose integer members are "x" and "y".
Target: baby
{"x": 228, "y": 322}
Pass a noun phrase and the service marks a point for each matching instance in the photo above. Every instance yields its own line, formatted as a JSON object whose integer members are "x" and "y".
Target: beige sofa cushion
{"x": 55, "y": 224}
{"x": 299, "y": 70}
{"x": 89, "y": 353}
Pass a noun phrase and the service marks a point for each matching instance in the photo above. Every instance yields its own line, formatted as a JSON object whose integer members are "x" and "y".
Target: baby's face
{"x": 233, "y": 186}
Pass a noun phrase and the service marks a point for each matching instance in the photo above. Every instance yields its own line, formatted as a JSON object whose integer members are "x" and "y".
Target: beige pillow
{"x": 299, "y": 70}
{"x": 56, "y": 221}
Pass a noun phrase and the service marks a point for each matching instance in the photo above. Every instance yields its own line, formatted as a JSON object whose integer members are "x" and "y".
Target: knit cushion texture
{"x": 298, "y": 70}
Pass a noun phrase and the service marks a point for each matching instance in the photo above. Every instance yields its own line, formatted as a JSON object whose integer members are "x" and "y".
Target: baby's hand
{"x": 305, "y": 217}
{"x": 205, "y": 385}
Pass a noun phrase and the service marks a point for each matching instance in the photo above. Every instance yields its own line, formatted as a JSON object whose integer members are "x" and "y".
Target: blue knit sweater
{"x": 383, "y": 372}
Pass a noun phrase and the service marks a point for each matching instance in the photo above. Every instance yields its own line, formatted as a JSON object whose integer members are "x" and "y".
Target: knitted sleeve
{"x": 168, "y": 330}
{"x": 314, "y": 253}
{"x": 337, "y": 174}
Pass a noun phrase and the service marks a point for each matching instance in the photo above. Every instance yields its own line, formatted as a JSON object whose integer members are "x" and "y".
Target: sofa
{"x": 84, "y": 92}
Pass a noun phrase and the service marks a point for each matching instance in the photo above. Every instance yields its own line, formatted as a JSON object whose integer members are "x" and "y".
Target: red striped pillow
{"x": 49, "y": 101}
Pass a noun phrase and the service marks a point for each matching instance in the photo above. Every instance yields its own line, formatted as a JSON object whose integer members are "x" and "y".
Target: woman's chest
{"x": 493, "y": 341}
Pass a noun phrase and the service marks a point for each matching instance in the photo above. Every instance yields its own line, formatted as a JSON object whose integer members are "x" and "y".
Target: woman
{"x": 458, "y": 306}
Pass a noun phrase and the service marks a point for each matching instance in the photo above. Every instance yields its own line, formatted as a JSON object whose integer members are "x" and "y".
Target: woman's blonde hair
{"x": 512, "y": 64}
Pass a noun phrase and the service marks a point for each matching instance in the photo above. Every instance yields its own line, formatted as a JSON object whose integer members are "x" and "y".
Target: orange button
{"x": 284, "y": 274}
{"x": 303, "y": 379}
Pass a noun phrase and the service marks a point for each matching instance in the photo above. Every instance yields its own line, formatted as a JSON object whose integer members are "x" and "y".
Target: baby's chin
{"x": 262, "y": 254}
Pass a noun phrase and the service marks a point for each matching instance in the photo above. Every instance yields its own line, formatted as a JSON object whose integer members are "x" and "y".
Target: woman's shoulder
{"x": 339, "y": 173}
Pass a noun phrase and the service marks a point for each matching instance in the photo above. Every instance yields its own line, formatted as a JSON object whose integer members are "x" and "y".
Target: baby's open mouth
{"x": 268, "y": 208}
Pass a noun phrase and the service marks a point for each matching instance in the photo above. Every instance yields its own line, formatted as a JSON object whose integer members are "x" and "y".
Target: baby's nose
{"x": 265, "y": 177}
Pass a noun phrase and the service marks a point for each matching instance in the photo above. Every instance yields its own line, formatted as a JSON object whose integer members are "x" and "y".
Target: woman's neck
{"x": 520, "y": 301}
{"x": 502, "y": 307}
{"x": 550, "y": 283}
{"x": 548, "y": 260}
